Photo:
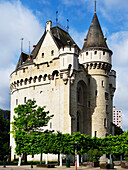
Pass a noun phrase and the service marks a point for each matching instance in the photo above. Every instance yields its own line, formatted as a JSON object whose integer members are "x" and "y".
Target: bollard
{"x": 4, "y": 166}
{"x": 31, "y": 165}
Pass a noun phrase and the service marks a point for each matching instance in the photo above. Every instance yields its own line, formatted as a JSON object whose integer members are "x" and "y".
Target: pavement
{"x": 27, "y": 167}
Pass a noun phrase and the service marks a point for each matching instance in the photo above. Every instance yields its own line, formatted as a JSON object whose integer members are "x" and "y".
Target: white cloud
{"x": 118, "y": 42}
{"x": 115, "y": 4}
{"x": 46, "y": 2}
{"x": 73, "y": 2}
{"x": 125, "y": 120}
{"x": 16, "y": 22}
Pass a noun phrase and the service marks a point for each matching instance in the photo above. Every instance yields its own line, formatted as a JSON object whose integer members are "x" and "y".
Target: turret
{"x": 96, "y": 58}
{"x": 95, "y": 50}
{"x": 69, "y": 58}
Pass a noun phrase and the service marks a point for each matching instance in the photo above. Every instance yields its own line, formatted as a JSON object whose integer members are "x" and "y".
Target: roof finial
{"x": 56, "y": 16}
{"x": 22, "y": 44}
{"x": 95, "y": 6}
{"x": 67, "y": 24}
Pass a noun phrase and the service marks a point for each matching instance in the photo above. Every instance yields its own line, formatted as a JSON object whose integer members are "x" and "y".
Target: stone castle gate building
{"x": 75, "y": 85}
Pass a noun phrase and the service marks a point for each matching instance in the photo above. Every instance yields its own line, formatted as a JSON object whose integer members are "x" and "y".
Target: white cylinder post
{"x": 81, "y": 159}
{"x": 77, "y": 160}
{"x": 46, "y": 162}
{"x": 110, "y": 159}
{"x": 60, "y": 159}
{"x": 19, "y": 162}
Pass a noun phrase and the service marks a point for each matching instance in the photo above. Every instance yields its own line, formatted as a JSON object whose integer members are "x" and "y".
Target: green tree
{"x": 27, "y": 125}
{"x": 118, "y": 130}
{"x": 30, "y": 118}
{"x": 4, "y": 137}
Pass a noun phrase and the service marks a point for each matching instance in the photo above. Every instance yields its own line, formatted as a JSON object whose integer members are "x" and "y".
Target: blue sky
{"x": 27, "y": 19}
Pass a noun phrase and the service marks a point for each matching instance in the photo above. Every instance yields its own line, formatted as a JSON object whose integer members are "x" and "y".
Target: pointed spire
{"x": 95, "y": 37}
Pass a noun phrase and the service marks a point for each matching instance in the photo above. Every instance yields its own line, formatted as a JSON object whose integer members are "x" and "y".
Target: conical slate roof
{"x": 95, "y": 37}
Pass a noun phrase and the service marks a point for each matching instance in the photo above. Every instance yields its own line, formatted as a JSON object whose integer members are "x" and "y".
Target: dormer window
{"x": 103, "y": 52}
{"x": 52, "y": 52}
{"x": 95, "y": 52}
{"x": 86, "y": 53}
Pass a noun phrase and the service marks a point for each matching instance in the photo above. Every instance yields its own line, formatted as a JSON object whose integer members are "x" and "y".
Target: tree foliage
{"x": 30, "y": 117}
{"x": 4, "y": 137}
{"x": 29, "y": 121}
{"x": 118, "y": 130}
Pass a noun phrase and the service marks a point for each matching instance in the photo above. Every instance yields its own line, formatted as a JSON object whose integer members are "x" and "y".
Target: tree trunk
{"x": 25, "y": 157}
{"x": 41, "y": 158}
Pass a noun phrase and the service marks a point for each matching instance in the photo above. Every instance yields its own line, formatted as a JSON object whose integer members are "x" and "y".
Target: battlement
{"x": 33, "y": 81}
{"x": 98, "y": 65}
{"x": 69, "y": 50}
{"x": 112, "y": 79}
{"x": 113, "y": 73}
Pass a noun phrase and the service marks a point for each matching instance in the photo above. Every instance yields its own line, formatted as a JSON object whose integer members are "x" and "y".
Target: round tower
{"x": 96, "y": 57}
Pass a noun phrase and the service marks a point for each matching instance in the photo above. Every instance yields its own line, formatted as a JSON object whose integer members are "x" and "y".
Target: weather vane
{"x": 95, "y": 6}
{"x": 67, "y": 24}
{"x": 22, "y": 44}
{"x": 56, "y": 16}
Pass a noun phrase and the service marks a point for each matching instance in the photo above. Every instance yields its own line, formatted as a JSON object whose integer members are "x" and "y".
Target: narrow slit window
{"x": 88, "y": 104}
{"x": 25, "y": 100}
{"x": 88, "y": 81}
{"x": 96, "y": 92}
{"x": 50, "y": 125}
{"x": 42, "y": 55}
{"x": 102, "y": 83}
{"x": 105, "y": 123}
{"x": 95, "y": 133}
{"x": 52, "y": 52}
{"x": 107, "y": 108}
{"x": 95, "y": 52}
{"x": 16, "y": 101}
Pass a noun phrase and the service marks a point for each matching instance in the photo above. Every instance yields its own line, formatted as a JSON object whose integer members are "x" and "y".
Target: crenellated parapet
{"x": 33, "y": 81}
{"x": 98, "y": 65}
{"x": 69, "y": 57}
{"x": 68, "y": 49}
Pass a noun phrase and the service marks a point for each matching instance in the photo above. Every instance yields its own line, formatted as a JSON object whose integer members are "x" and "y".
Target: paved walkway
{"x": 27, "y": 167}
